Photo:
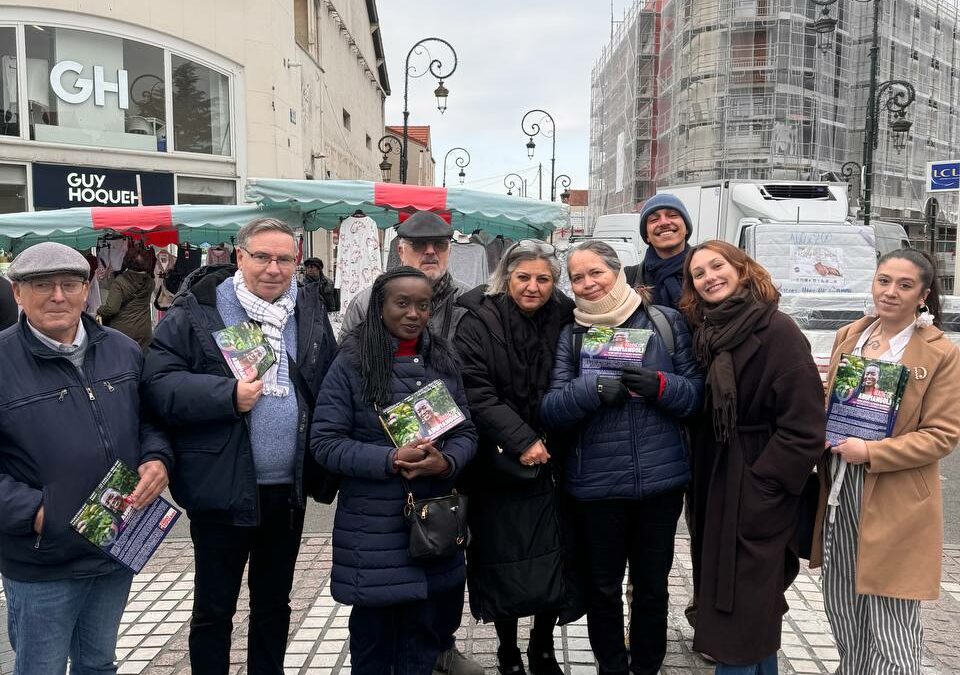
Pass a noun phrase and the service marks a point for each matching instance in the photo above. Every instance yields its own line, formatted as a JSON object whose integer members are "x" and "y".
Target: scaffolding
{"x": 698, "y": 90}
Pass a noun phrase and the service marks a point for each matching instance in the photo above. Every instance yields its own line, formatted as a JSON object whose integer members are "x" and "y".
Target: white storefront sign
{"x": 84, "y": 87}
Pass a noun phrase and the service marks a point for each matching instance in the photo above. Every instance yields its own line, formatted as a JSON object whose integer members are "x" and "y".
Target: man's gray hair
{"x": 261, "y": 225}
{"x": 516, "y": 254}
{"x": 602, "y": 249}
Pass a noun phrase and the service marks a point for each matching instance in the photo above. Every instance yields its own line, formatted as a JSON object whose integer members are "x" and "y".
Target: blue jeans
{"x": 766, "y": 667}
{"x": 47, "y": 621}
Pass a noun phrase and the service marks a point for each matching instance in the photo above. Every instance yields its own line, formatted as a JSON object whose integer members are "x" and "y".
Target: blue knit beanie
{"x": 663, "y": 201}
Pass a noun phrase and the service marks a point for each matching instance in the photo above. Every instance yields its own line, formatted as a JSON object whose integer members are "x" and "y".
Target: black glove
{"x": 643, "y": 382}
{"x": 611, "y": 391}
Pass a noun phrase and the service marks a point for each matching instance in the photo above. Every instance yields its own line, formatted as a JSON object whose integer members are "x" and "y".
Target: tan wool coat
{"x": 901, "y": 514}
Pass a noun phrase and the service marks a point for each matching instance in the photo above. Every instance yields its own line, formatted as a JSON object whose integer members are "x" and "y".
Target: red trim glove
{"x": 644, "y": 382}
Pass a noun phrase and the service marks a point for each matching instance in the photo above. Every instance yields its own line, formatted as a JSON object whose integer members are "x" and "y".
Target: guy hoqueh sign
{"x": 59, "y": 187}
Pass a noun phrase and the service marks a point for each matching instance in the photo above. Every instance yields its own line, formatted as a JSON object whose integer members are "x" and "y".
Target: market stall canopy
{"x": 80, "y": 227}
{"x": 325, "y": 203}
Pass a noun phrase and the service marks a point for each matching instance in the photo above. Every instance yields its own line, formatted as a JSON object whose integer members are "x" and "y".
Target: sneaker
{"x": 510, "y": 663}
{"x": 452, "y": 662}
{"x": 543, "y": 661}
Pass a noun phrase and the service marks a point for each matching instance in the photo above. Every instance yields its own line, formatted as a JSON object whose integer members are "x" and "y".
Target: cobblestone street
{"x": 153, "y": 633}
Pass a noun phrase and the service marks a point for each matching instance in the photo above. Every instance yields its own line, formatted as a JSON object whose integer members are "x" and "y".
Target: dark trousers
{"x": 641, "y": 531}
{"x": 541, "y": 634}
{"x": 221, "y": 553}
{"x": 403, "y": 639}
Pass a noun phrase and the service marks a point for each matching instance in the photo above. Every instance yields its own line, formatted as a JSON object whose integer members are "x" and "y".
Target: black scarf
{"x": 725, "y": 327}
{"x": 664, "y": 276}
{"x": 531, "y": 341}
{"x": 442, "y": 288}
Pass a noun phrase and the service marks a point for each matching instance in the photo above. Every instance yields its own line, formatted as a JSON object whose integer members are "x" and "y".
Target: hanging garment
{"x": 391, "y": 258}
{"x": 358, "y": 258}
{"x": 468, "y": 264}
{"x": 218, "y": 255}
{"x": 163, "y": 298}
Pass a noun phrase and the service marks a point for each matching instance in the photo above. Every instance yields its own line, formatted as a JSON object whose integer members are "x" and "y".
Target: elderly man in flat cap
{"x": 423, "y": 241}
{"x": 69, "y": 409}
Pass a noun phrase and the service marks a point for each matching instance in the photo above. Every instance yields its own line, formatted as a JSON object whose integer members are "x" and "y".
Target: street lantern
{"x": 385, "y": 167}
{"x": 531, "y": 146}
{"x": 462, "y": 176}
{"x": 513, "y": 180}
{"x": 824, "y": 27}
{"x": 461, "y": 159}
{"x": 900, "y": 127}
{"x": 530, "y": 124}
{"x": 441, "y": 93}
{"x": 564, "y": 181}
{"x": 387, "y": 145}
{"x": 435, "y": 67}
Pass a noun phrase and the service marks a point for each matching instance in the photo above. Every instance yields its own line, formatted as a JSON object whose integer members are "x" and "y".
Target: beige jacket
{"x": 901, "y": 516}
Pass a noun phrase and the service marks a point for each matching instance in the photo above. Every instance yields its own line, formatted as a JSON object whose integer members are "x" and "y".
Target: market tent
{"x": 80, "y": 227}
{"x": 325, "y": 203}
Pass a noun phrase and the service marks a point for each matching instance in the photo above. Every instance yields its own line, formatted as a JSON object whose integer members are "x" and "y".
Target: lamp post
{"x": 386, "y": 146}
{"x": 520, "y": 184}
{"x": 462, "y": 161}
{"x": 564, "y": 181}
{"x": 534, "y": 129}
{"x": 894, "y": 95}
{"x": 435, "y": 68}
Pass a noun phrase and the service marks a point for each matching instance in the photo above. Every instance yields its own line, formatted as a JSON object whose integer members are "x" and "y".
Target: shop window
{"x": 91, "y": 89}
{"x": 201, "y": 108}
{"x": 9, "y": 111}
{"x": 192, "y": 190}
{"x": 13, "y": 188}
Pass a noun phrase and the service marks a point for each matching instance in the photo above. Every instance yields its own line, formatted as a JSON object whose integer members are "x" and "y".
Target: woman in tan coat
{"x": 881, "y": 549}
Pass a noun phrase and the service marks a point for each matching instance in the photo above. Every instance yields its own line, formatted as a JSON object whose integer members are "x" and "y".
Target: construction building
{"x": 698, "y": 90}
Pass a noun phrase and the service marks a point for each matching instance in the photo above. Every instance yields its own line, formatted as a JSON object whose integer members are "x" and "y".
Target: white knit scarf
{"x": 272, "y": 317}
{"x": 612, "y": 309}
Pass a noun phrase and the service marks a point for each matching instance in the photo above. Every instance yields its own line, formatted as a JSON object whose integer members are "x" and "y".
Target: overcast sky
{"x": 512, "y": 57}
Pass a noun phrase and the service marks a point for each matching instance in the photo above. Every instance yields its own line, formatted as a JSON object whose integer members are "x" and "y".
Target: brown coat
{"x": 746, "y": 496}
{"x": 901, "y": 514}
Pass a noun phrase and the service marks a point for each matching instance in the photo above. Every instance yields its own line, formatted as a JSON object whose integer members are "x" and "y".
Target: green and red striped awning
{"x": 325, "y": 203}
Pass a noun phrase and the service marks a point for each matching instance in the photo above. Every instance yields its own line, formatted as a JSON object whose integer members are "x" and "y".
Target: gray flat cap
{"x": 424, "y": 225}
{"x": 48, "y": 258}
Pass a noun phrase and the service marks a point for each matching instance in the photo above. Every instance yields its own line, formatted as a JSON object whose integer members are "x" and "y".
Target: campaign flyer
{"x": 425, "y": 414}
{"x": 865, "y": 399}
{"x": 246, "y": 350}
{"x": 608, "y": 351}
{"x": 108, "y": 520}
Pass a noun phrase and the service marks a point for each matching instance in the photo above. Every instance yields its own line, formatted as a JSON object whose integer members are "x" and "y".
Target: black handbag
{"x": 506, "y": 463}
{"x": 438, "y": 526}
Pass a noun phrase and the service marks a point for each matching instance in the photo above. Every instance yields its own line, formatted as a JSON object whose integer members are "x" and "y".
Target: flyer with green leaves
{"x": 425, "y": 414}
{"x": 608, "y": 351}
{"x": 245, "y": 350}
{"x": 865, "y": 398}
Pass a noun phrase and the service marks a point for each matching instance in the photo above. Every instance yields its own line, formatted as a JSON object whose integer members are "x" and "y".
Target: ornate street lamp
{"x": 564, "y": 181}
{"x": 534, "y": 129}
{"x": 895, "y": 95}
{"x": 436, "y": 69}
{"x": 461, "y": 160}
{"x": 386, "y": 146}
{"x": 514, "y": 181}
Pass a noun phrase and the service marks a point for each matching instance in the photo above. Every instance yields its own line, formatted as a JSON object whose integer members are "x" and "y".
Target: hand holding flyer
{"x": 608, "y": 351}
{"x": 425, "y": 414}
{"x": 245, "y": 350}
{"x": 865, "y": 399}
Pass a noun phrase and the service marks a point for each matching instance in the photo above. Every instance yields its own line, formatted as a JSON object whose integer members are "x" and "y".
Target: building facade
{"x": 699, "y": 90}
{"x": 121, "y": 102}
{"x": 422, "y": 167}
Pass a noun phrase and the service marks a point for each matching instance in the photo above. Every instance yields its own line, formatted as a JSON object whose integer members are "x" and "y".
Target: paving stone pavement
{"x": 153, "y": 630}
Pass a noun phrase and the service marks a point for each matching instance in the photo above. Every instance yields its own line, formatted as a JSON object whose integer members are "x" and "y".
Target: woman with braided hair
{"x": 400, "y": 606}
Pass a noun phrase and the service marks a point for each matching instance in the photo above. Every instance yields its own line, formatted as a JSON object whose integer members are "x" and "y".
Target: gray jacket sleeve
{"x": 356, "y": 313}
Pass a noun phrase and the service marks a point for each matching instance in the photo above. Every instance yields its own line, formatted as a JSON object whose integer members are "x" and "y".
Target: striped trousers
{"x": 875, "y": 635}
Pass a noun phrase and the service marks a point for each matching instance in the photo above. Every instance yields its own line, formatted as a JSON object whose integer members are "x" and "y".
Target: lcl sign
{"x": 81, "y": 89}
{"x": 943, "y": 176}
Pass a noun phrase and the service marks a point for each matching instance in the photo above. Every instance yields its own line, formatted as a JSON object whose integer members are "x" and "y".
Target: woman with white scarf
{"x": 629, "y": 465}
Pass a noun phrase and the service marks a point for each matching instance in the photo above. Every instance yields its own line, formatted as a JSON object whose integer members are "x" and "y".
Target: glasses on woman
{"x": 48, "y": 286}
{"x": 264, "y": 259}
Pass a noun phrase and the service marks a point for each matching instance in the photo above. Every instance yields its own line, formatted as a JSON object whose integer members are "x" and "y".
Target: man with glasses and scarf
{"x": 241, "y": 470}
{"x": 69, "y": 409}
{"x": 423, "y": 241}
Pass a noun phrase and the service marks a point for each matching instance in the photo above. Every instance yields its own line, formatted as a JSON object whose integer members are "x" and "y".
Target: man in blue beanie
{"x": 665, "y": 228}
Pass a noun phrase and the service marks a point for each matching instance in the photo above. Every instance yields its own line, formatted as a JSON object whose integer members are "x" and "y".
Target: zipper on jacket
{"x": 63, "y": 395}
{"x": 108, "y": 386}
{"x": 92, "y": 398}
{"x": 36, "y": 544}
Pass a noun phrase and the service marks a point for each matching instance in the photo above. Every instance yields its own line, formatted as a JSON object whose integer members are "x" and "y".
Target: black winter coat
{"x": 515, "y": 560}
{"x": 746, "y": 494}
{"x": 188, "y": 385}
{"x": 371, "y": 565}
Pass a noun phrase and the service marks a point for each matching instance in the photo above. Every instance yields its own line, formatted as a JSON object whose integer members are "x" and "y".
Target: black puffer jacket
{"x": 187, "y": 384}
{"x": 515, "y": 561}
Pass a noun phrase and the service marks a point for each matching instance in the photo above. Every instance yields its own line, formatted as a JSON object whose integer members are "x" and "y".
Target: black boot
{"x": 542, "y": 659}
{"x": 509, "y": 662}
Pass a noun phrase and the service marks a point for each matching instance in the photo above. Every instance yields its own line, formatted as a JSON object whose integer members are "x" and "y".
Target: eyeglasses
{"x": 264, "y": 259}
{"x": 47, "y": 286}
{"x": 536, "y": 246}
{"x": 420, "y": 245}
